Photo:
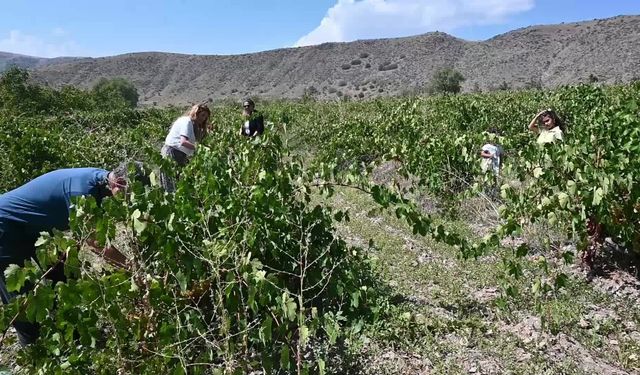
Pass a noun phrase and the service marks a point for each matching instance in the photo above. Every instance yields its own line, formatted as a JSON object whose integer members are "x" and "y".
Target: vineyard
{"x": 352, "y": 237}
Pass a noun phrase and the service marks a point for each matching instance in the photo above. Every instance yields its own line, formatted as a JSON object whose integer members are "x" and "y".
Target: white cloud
{"x": 25, "y": 44}
{"x": 365, "y": 19}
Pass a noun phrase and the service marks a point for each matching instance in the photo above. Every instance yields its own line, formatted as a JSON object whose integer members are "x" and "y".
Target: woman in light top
{"x": 185, "y": 133}
{"x": 548, "y": 125}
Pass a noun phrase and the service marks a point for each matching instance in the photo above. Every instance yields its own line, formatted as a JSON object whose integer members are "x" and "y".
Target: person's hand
{"x": 540, "y": 113}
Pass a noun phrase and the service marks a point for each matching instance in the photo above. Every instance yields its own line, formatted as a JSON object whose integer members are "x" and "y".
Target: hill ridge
{"x": 538, "y": 56}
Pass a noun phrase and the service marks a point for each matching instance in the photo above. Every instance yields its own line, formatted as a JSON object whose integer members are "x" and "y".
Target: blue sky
{"x": 51, "y": 28}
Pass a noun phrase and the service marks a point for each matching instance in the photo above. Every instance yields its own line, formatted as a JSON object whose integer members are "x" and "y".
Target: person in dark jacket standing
{"x": 253, "y": 120}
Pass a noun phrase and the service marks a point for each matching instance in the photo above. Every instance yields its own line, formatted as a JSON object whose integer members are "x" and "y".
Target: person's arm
{"x": 486, "y": 154}
{"x": 187, "y": 133}
{"x": 110, "y": 254}
{"x": 184, "y": 141}
{"x": 533, "y": 126}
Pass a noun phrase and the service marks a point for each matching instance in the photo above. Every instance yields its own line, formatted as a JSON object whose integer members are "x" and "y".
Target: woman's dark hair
{"x": 556, "y": 119}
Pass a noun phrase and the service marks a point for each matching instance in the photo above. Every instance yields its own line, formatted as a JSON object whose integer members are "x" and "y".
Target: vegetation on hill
{"x": 446, "y": 81}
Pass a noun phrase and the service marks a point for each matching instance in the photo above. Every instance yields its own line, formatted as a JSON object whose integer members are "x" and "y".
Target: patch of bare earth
{"x": 399, "y": 362}
{"x": 8, "y": 351}
{"x": 390, "y": 174}
{"x": 558, "y": 349}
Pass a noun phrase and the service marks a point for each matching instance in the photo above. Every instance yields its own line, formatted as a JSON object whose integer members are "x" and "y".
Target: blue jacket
{"x": 42, "y": 205}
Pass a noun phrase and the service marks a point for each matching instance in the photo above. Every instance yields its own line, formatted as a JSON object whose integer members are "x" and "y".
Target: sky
{"x": 51, "y": 28}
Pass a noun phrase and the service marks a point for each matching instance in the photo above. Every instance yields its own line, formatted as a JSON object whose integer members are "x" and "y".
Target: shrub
{"x": 310, "y": 93}
{"x": 17, "y": 95}
{"x": 116, "y": 92}
{"x": 534, "y": 84}
{"x": 504, "y": 86}
{"x": 446, "y": 81}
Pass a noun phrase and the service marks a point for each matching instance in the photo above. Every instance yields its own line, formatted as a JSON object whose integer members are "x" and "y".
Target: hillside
{"x": 545, "y": 56}
{"x": 13, "y": 59}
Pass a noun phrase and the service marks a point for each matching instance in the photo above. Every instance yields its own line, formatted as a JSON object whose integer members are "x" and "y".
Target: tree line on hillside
{"x": 18, "y": 94}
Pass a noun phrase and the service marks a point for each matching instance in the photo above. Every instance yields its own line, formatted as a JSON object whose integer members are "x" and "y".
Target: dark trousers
{"x": 16, "y": 246}
{"x": 28, "y": 332}
{"x": 168, "y": 183}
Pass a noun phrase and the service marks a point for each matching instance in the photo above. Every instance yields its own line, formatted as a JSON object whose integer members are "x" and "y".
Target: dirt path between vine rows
{"x": 451, "y": 323}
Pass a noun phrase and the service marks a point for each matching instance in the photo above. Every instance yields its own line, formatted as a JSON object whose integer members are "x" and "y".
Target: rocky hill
{"x": 546, "y": 56}
{"x": 13, "y": 59}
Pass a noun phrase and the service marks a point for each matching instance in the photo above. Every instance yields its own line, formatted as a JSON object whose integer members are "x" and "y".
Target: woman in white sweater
{"x": 185, "y": 133}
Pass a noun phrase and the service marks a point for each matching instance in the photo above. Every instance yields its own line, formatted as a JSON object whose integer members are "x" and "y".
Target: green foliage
{"x": 236, "y": 271}
{"x": 17, "y": 95}
{"x": 38, "y": 144}
{"x": 446, "y": 80}
{"x": 240, "y": 270}
{"x": 115, "y": 93}
{"x": 436, "y": 140}
{"x": 73, "y": 98}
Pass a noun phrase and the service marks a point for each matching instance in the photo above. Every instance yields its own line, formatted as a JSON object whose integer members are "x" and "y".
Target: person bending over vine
{"x": 44, "y": 204}
{"x": 185, "y": 133}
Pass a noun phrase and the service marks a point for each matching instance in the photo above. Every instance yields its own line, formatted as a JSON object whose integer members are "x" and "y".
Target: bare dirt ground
{"x": 450, "y": 322}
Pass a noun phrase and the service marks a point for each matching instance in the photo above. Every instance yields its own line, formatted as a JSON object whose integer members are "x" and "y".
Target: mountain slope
{"x": 8, "y": 60}
{"x": 539, "y": 55}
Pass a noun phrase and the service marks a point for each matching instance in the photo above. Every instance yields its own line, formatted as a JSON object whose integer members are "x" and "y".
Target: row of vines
{"x": 240, "y": 270}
